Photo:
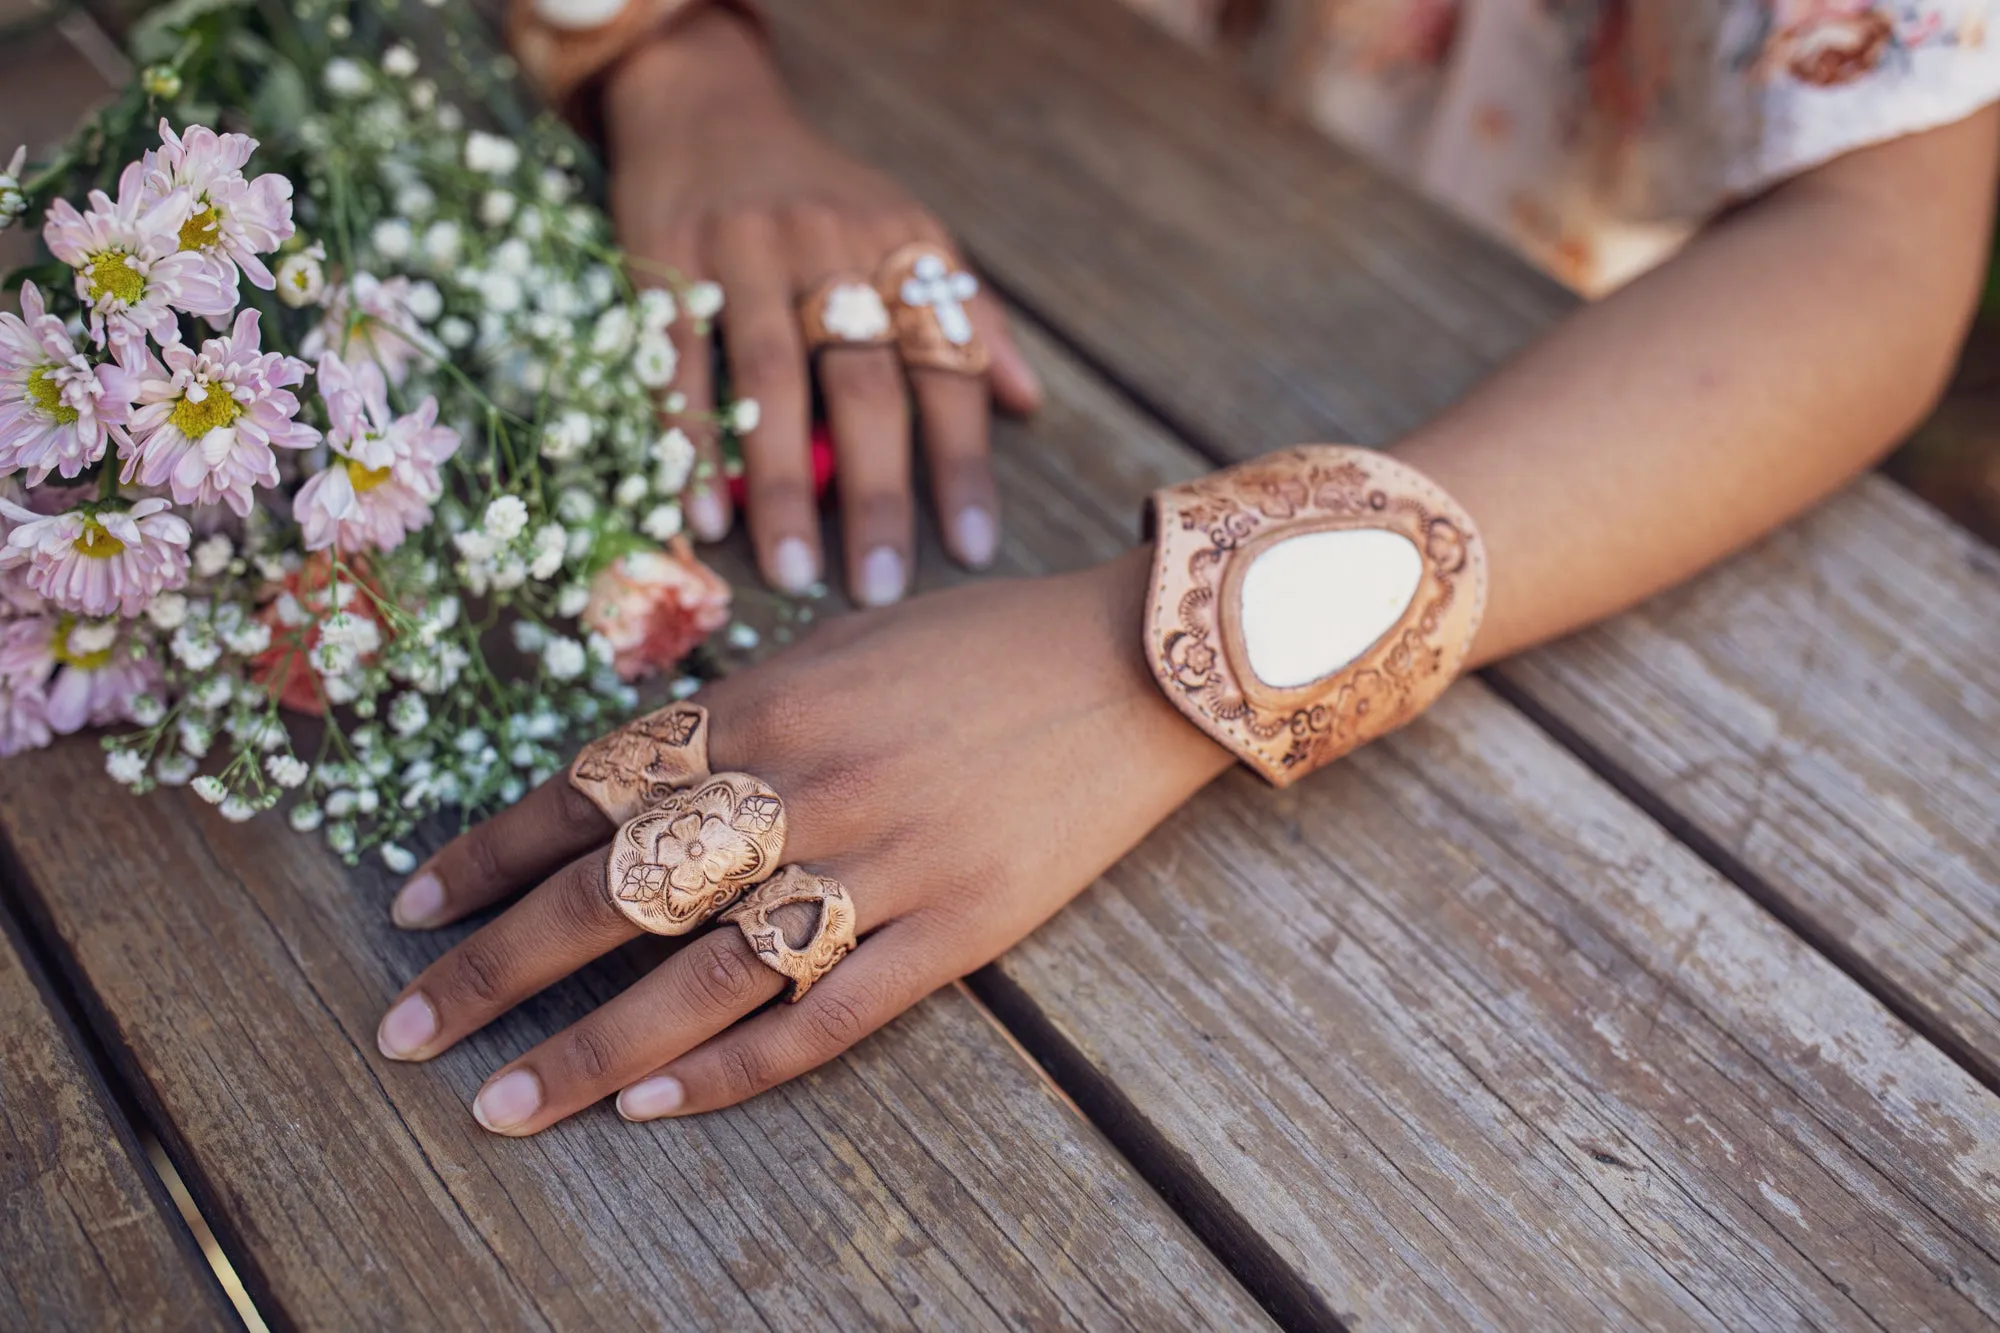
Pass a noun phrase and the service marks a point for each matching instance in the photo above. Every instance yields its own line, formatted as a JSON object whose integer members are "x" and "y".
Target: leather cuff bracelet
{"x": 565, "y": 45}
{"x": 1305, "y": 603}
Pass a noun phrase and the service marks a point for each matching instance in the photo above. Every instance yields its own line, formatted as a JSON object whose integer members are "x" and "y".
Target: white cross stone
{"x": 933, "y": 284}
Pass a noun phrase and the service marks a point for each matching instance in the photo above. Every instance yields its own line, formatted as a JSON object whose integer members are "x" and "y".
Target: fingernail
{"x": 508, "y": 1102}
{"x": 407, "y": 1028}
{"x": 651, "y": 1098}
{"x": 792, "y": 565}
{"x": 707, "y": 517}
{"x": 419, "y": 903}
{"x": 881, "y": 580}
{"x": 976, "y": 535}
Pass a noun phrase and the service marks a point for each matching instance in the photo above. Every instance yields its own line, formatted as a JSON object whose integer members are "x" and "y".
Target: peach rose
{"x": 283, "y": 668}
{"x": 655, "y": 607}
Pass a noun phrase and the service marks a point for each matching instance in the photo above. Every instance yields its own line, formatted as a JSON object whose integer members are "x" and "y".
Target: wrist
{"x": 712, "y": 54}
{"x": 1119, "y": 589}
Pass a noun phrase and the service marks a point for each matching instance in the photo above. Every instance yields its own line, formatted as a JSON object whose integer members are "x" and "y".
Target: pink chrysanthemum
{"x": 369, "y": 320}
{"x": 24, "y": 718}
{"x": 97, "y": 562}
{"x": 84, "y": 673}
{"x": 383, "y": 478}
{"x": 206, "y": 422}
{"x": 231, "y": 220}
{"x": 56, "y": 409}
{"x": 130, "y": 269}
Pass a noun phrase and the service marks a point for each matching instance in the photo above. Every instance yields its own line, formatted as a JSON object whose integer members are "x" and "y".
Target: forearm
{"x": 1678, "y": 420}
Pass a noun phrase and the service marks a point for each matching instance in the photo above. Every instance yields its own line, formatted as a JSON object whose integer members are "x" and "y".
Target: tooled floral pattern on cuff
{"x": 677, "y": 865}
{"x": 1207, "y": 534}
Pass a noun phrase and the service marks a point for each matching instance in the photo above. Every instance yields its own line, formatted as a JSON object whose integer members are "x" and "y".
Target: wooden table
{"x": 1652, "y": 980}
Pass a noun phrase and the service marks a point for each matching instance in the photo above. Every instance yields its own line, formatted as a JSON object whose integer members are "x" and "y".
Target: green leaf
{"x": 156, "y": 36}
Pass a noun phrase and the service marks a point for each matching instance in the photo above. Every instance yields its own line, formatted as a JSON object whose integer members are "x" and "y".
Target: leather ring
{"x": 845, "y": 311}
{"x": 928, "y": 291}
{"x": 643, "y": 762}
{"x": 678, "y": 864}
{"x": 833, "y": 935}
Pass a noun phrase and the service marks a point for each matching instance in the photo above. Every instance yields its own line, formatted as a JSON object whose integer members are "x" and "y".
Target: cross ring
{"x": 929, "y": 293}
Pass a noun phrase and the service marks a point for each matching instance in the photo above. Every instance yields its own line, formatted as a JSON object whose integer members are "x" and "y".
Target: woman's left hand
{"x": 964, "y": 763}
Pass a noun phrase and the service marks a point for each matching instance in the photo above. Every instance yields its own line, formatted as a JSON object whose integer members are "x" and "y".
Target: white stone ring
{"x": 932, "y": 294}
{"x": 846, "y": 311}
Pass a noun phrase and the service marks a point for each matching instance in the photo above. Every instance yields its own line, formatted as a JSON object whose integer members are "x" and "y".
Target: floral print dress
{"x": 1596, "y": 135}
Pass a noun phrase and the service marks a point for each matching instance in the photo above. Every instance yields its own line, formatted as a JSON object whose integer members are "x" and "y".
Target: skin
{"x": 715, "y": 176}
{"x": 1646, "y": 437}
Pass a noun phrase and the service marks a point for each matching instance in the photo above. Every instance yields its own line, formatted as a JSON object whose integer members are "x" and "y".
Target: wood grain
{"x": 933, "y": 1179}
{"x": 88, "y": 1240}
{"x": 1821, "y": 715}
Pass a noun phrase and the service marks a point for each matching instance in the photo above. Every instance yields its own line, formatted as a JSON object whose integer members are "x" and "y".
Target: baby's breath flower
{"x": 684, "y": 687}
{"x": 146, "y": 710}
{"x": 662, "y": 522}
{"x": 506, "y": 517}
{"x": 168, "y": 610}
{"x": 744, "y": 415}
{"x": 210, "y": 788}
{"x": 126, "y": 767}
{"x": 409, "y": 715}
{"x": 571, "y": 601}
{"x": 393, "y": 238}
{"x": 237, "y": 810}
{"x": 196, "y": 737}
{"x": 398, "y": 859}
{"x": 703, "y": 300}
{"x": 287, "y": 770}
{"x": 564, "y": 659}
{"x": 173, "y": 770}
{"x": 212, "y": 556}
{"x": 306, "y": 817}
{"x": 341, "y": 837}
{"x": 491, "y": 154}
{"x": 399, "y": 62}
{"x": 344, "y": 77}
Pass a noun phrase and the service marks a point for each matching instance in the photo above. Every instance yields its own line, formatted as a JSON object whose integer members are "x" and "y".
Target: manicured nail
{"x": 508, "y": 1102}
{"x": 420, "y": 902}
{"x": 976, "y": 535}
{"x": 881, "y": 580}
{"x": 793, "y": 568}
{"x": 707, "y": 517}
{"x": 651, "y": 1098}
{"x": 407, "y": 1028}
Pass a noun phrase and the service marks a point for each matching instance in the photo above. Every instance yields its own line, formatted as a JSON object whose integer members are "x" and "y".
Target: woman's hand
{"x": 965, "y": 764}
{"x": 714, "y": 175}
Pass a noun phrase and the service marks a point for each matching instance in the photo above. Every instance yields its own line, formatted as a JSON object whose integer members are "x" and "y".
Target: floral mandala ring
{"x": 676, "y": 865}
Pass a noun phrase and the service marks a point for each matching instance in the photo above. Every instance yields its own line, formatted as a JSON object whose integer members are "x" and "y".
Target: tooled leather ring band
{"x": 846, "y": 311}
{"x": 928, "y": 291}
{"x": 833, "y": 934}
{"x": 639, "y": 765}
{"x": 678, "y": 864}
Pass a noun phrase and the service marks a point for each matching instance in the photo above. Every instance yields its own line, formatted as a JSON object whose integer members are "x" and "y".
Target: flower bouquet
{"x": 332, "y": 397}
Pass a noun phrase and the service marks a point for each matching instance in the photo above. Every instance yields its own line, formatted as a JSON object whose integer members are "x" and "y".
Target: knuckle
{"x": 576, "y": 813}
{"x": 766, "y": 357}
{"x": 722, "y": 972}
{"x": 589, "y": 1054}
{"x": 834, "y": 1021}
{"x": 743, "y": 1070}
{"x": 809, "y": 217}
{"x": 872, "y": 384}
{"x": 480, "y": 972}
{"x": 777, "y": 494}
{"x": 480, "y": 859}
{"x": 881, "y": 512}
{"x": 581, "y": 909}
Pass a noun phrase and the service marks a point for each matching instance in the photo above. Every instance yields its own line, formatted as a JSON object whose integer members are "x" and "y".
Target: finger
{"x": 695, "y": 994}
{"x": 893, "y": 969}
{"x": 562, "y": 925}
{"x": 957, "y": 416}
{"x": 520, "y": 846}
{"x": 867, "y": 405}
{"x": 706, "y": 500}
{"x": 1017, "y": 389}
{"x": 767, "y": 362}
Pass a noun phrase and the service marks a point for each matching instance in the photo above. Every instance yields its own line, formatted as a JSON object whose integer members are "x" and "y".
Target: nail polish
{"x": 707, "y": 517}
{"x": 977, "y": 536}
{"x": 651, "y": 1098}
{"x": 419, "y": 903}
{"x": 793, "y": 568}
{"x": 407, "y": 1028}
{"x": 881, "y": 580}
{"x": 509, "y": 1101}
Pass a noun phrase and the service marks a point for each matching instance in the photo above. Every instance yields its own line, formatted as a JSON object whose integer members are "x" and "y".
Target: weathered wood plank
{"x": 931, "y": 1180}
{"x": 1822, "y": 714}
{"x": 88, "y": 1240}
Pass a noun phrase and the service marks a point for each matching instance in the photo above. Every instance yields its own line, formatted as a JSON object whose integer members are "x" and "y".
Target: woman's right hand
{"x": 714, "y": 175}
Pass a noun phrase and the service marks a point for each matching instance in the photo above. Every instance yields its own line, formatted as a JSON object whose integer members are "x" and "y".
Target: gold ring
{"x": 929, "y": 292}
{"x": 833, "y": 936}
{"x": 679, "y": 863}
{"x": 643, "y": 762}
{"x": 845, "y": 311}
